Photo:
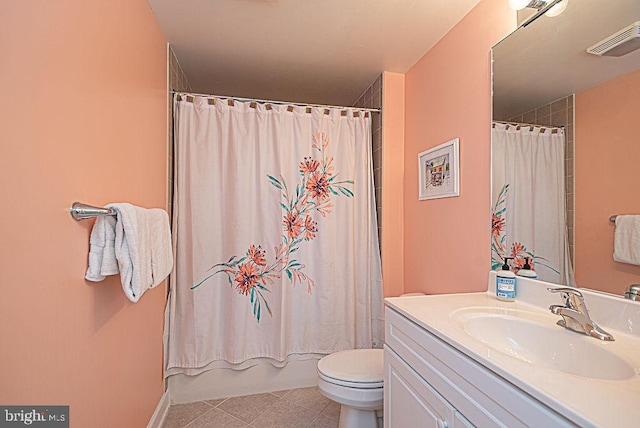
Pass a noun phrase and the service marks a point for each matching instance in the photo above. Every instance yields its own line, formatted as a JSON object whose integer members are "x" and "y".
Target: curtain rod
{"x": 241, "y": 99}
{"x": 527, "y": 124}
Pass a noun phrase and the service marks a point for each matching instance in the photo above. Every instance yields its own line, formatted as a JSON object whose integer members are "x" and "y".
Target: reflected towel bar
{"x": 612, "y": 219}
{"x": 80, "y": 211}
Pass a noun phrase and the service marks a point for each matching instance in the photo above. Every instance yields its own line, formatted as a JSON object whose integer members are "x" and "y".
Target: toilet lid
{"x": 356, "y": 366}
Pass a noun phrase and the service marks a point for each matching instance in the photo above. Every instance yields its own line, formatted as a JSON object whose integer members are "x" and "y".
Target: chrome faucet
{"x": 575, "y": 315}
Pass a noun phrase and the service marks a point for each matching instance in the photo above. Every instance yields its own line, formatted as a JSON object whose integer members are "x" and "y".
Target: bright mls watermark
{"x": 34, "y": 416}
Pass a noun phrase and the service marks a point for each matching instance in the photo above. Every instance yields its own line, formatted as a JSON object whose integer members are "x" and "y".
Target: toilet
{"x": 354, "y": 379}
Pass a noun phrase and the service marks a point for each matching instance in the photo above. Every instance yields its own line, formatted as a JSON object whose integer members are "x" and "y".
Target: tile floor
{"x": 296, "y": 408}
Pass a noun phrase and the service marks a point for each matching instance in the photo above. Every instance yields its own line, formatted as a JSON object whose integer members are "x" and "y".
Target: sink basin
{"x": 536, "y": 339}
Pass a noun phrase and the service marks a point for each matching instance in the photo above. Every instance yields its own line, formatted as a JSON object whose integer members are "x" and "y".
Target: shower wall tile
{"x": 372, "y": 98}
{"x": 377, "y": 140}
{"x": 528, "y": 117}
{"x": 560, "y": 105}
{"x": 543, "y": 114}
{"x": 177, "y": 81}
{"x": 559, "y": 113}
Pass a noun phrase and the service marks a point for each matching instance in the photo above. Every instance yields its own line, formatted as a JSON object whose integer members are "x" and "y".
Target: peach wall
{"x": 448, "y": 95}
{"x": 83, "y": 118}
{"x": 393, "y": 98}
{"x": 607, "y": 178}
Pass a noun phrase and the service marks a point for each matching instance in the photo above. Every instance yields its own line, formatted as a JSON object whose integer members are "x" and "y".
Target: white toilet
{"x": 355, "y": 380}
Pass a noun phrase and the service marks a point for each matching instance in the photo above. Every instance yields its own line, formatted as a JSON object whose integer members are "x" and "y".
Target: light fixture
{"x": 557, "y": 6}
{"x": 521, "y": 4}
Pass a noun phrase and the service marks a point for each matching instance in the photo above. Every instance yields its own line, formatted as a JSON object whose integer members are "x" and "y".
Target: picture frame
{"x": 439, "y": 171}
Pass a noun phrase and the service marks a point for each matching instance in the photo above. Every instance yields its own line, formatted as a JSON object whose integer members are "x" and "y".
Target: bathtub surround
{"x": 277, "y": 188}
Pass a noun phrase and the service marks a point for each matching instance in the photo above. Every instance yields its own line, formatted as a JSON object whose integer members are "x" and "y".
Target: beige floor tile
{"x": 332, "y": 411}
{"x": 181, "y": 414}
{"x": 324, "y": 422}
{"x": 281, "y": 393}
{"x": 215, "y": 403}
{"x": 285, "y": 415}
{"x": 310, "y": 398}
{"x": 217, "y": 419}
{"x": 248, "y": 407}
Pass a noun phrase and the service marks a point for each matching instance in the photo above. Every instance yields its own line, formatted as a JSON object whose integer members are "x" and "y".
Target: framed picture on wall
{"x": 438, "y": 171}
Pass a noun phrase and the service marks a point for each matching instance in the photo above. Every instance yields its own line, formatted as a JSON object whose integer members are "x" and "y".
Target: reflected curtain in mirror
{"x": 528, "y": 206}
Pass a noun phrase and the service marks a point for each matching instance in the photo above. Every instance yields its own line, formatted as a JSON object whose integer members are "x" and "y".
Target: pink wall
{"x": 392, "y": 179}
{"x": 606, "y": 179}
{"x": 448, "y": 95}
{"x": 83, "y": 117}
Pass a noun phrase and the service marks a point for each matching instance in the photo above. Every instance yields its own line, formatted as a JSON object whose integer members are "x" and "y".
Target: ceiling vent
{"x": 621, "y": 43}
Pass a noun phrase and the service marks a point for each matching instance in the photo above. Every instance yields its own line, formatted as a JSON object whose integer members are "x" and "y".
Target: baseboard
{"x": 160, "y": 414}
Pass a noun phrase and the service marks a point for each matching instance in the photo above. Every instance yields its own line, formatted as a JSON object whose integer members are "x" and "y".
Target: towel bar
{"x": 80, "y": 211}
{"x": 612, "y": 219}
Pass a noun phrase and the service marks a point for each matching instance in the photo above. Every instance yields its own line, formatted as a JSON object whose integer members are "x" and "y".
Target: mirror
{"x": 543, "y": 75}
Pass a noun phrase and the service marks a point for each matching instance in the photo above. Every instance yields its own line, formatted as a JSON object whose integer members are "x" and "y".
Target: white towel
{"x": 627, "y": 239}
{"x": 102, "y": 254}
{"x": 141, "y": 242}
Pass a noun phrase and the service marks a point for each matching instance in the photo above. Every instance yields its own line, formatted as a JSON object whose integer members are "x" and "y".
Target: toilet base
{"x": 356, "y": 418}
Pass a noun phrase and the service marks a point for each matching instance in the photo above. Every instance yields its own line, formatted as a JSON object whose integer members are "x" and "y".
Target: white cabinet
{"x": 412, "y": 402}
{"x": 429, "y": 383}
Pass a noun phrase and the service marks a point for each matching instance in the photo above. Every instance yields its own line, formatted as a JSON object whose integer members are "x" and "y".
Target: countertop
{"x": 585, "y": 401}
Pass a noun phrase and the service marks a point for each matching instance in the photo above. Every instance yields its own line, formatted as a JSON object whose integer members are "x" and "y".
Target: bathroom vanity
{"x": 464, "y": 360}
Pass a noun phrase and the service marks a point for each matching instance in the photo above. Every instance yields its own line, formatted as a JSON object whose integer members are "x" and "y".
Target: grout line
{"x": 211, "y": 409}
{"x": 279, "y": 399}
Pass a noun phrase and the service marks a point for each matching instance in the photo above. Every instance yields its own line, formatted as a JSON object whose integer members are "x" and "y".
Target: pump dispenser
{"x": 526, "y": 270}
{"x": 506, "y": 282}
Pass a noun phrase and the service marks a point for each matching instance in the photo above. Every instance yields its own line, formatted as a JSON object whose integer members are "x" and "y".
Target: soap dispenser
{"x": 526, "y": 270}
{"x": 506, "y": 282}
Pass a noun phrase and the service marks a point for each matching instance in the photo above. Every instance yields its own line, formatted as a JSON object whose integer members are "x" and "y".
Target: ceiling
{"x": 547, "y": 60}
{"x": 312, "y": 51}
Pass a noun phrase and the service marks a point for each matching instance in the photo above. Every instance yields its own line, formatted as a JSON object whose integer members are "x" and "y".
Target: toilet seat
{"x": 356, "y": 368}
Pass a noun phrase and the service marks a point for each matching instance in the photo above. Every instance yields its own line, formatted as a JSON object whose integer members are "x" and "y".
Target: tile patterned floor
{"x": 296, "y": 408}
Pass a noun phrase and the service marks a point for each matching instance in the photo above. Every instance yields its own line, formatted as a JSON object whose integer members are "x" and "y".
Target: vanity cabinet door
{"x": 409, "y": 401}
{"x": 461, "y": 422}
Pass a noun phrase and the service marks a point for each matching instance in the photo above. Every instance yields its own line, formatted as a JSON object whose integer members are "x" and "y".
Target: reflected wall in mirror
{"x": 543, "y": 75}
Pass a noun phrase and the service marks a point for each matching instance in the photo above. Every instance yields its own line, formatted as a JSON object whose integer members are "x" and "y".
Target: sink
{"x": 535, "y": 338}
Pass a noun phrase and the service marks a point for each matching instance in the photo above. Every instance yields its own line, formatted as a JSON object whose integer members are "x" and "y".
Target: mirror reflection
{"x": 566, "y": 143}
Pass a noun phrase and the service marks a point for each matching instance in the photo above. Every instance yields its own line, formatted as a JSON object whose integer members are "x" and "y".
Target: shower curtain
{"x": 529, "y": 202}
{"x": 277, "y": 253}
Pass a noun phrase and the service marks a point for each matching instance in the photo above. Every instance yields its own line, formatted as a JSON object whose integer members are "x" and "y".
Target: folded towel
{"x": 102, "y": 253}
{"x": 140, "y": 240}
{"x": 627, "y": 239}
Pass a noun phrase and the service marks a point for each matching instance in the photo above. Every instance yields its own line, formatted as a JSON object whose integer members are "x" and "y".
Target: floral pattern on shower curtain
{"x": 277, "y": 254}
{"x": 251, "y": 274}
